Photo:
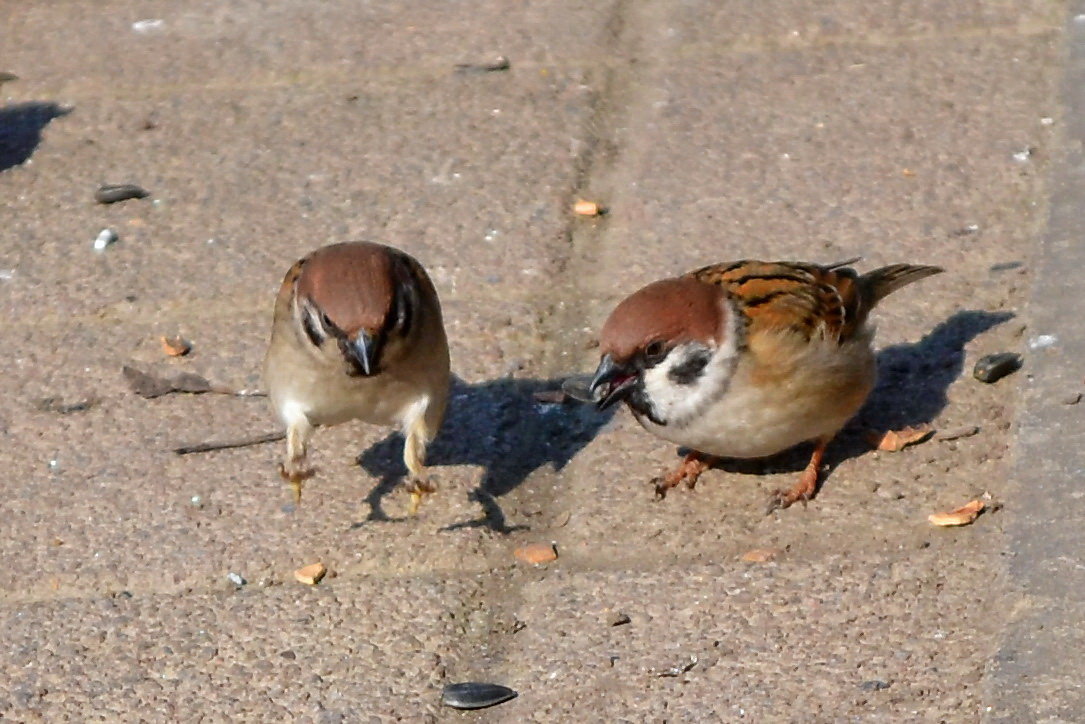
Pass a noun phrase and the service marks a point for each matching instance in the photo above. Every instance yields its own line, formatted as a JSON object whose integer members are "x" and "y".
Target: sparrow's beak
{"x": 612, "y": 383}
{"x": 365, "y": 350}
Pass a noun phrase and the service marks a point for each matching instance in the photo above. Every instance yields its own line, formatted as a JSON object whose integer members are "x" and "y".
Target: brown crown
{"x": 352, "y": 283}
{"x": 672, "y": 310}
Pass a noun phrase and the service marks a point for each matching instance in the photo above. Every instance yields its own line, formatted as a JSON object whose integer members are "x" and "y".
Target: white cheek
{"x": 676, "y": 404}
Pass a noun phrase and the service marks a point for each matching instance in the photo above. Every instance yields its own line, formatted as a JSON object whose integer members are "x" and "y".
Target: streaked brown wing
{"x": 811, "y": 300}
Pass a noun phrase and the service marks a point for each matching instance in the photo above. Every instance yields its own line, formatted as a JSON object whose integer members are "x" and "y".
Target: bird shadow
{"x": 498, "y": 425}
{"x": 913, "y": 380}
{"x": 21, "y": 127}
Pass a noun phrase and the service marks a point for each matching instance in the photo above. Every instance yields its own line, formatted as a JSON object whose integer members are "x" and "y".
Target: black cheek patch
{"x": 640, "y": 404}
{"x": 689, "y": 371}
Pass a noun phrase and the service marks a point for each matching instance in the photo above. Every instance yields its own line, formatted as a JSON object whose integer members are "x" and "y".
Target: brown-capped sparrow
{"x": 746, "y": 359}
{"x": 357, "y": 335}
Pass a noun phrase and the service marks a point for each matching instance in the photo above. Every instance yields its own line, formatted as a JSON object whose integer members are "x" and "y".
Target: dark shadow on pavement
{"x": 499, "y": 426}
{"x": 21, "y": 126}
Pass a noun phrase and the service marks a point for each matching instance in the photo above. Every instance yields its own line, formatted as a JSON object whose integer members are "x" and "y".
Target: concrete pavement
{"x": 711, "y": 131}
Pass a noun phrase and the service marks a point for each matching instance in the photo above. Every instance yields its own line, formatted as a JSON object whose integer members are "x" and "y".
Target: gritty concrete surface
{"x": 1035, "y": 675}
{"x": 917, "y": 131}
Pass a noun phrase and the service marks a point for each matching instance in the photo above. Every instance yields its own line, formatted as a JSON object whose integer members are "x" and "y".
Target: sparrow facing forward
{"x": 357, "y": 335}
{"x": 747, "y": 359}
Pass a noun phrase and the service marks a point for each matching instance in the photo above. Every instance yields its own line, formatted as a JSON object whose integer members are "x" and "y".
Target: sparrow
{"x": 357, "y": 335}
{"x": 746, "y": 359}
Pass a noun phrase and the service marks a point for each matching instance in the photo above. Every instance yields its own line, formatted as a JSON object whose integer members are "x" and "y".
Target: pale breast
{"x": 755, "y": 418}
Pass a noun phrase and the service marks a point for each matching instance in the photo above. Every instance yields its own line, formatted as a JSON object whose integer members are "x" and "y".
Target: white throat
{"x": 694, "y": 375}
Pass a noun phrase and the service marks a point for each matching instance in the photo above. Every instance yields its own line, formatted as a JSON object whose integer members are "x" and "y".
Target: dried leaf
{"x": 897, "y": 440}
{"x": 311, "y": 574}
{"x": 761, "y": 555}
{"x": 146, "y": 385}
{"x": 149, "y": 386}
{"x": 961, "y": 516}
{"x": 190, "y": 382}
{"x": 536, "y": 553}
{"x": 175, "y": 346}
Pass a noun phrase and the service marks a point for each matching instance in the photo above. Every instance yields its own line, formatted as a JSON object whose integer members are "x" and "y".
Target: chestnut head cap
{"x": 671, "y": 310}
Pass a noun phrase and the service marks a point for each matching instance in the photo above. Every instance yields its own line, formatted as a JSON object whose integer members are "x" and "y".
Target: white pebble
{"x": 235, "y": 578}
{"x": 1042, "y": 340}
{"x": 105, "y": 238}
{"x": 1022, "y": 156}
{"x": 146, "y": 26}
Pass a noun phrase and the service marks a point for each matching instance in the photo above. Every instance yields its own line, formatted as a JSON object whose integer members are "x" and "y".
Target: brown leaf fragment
{"x": 760, "y": 555}
{"x": 961, "y": 516}
{"x": 175, "y": 346}
{"x": 536, "y": 553}
{"x": 897, "y": 440}
{"x": 311, "y": 574}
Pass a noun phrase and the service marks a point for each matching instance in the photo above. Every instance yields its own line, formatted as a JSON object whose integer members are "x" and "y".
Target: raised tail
{"x": 880, "y": 283}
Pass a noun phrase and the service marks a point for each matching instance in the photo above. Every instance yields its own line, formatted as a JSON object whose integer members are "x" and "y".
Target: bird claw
{"x": 784, "y": 499}
{"x": 419, "y": 488}
{"x": 295, "y": 476}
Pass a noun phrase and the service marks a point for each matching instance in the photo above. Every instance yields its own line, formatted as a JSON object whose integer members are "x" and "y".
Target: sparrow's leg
{"x": 294, "y": 468}
{"x": 689, "y": 469}
{"x": 414, "y": 457}
{"x": 808, "y": 482}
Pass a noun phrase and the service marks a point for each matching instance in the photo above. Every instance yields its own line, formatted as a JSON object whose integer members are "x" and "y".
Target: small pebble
{"x": 994, "y": 367}
{"x": 1072, "y": 399}
{"x": 236, "y": 579}
{"x": 676, "y": 671}
{"x": 617, "y": 618}
{"x": 874, "y": 685}
{"x": 104, "y": 239}
{"x": 1042, "y": 340}
{"x": 196, "y": 501}
{"x": 112, "y": 193}
{"x": 475, "y": 695}
{"x": 146, "y": 26}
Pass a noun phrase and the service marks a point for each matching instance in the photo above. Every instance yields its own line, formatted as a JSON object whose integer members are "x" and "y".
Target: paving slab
{"x": 710, "y": 131}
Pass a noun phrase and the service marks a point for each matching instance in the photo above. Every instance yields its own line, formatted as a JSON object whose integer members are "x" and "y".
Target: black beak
{"x": 612, "y": 383}
{"x": 364, "y": 351}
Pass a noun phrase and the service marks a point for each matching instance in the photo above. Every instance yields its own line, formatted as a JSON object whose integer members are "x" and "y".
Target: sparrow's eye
{"x": 655, "y": 351}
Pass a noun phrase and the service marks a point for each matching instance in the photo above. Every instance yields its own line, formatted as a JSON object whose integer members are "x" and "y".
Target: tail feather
{"x": 882, "y": 282}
